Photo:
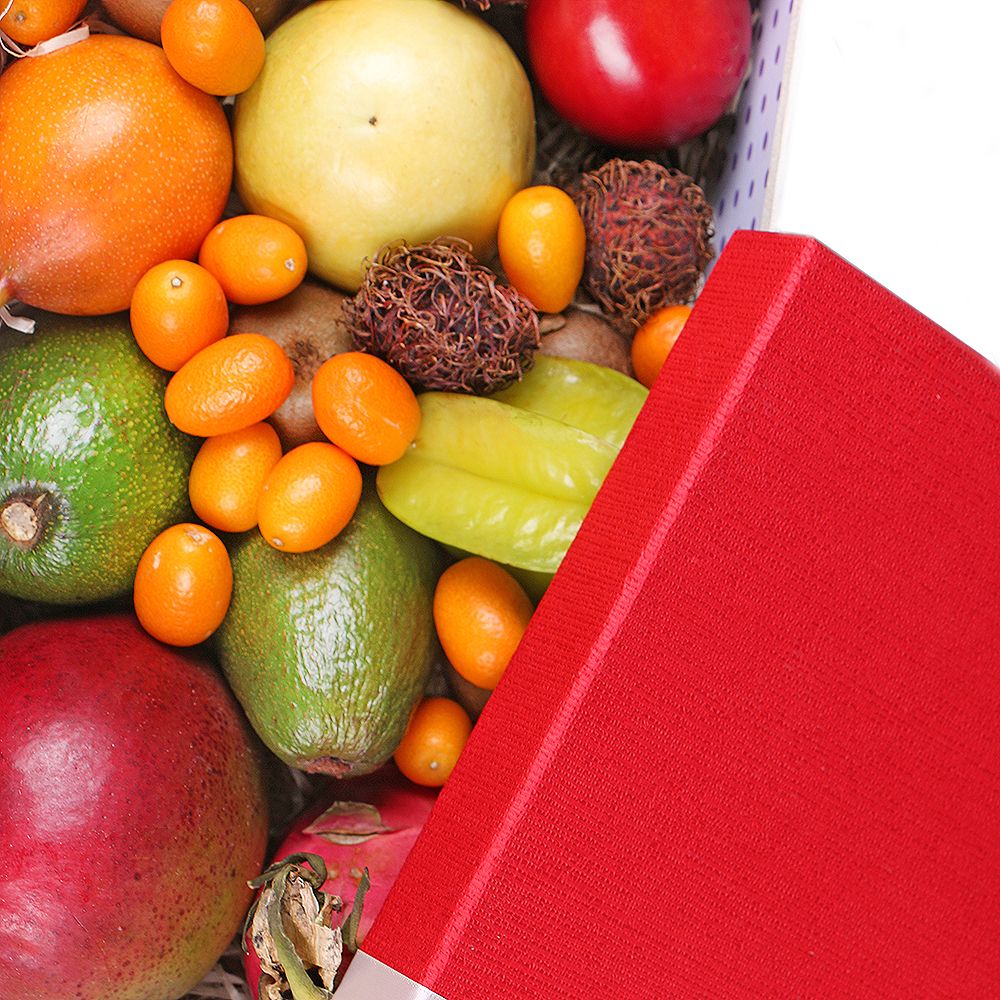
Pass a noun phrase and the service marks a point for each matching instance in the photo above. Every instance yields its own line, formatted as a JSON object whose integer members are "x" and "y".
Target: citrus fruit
{"x": 655, "y": 339}
{"x": 480, "y": 612}
{"x": 231, "y": 384}
{"x": 183, "y": 585}
{"x": 29, "y": 22}
{"x": 308, "y": 497}
{"x": 435, "y": 737}
{"x": 177, "y": 309}
{"x": 256, "y": 258}
{"x": 542, "y": 246}
{"x": 228, "y": 473}
{"x": 215, "y": 45}
{"x": 111, "y": 163}
{"x": 365, "y": 406}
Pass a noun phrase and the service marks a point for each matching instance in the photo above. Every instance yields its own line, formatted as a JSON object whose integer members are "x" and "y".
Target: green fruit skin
{"x": 505, "y": 444}
{"x": 328, "y": 651}
{"x": 82, "y": 419}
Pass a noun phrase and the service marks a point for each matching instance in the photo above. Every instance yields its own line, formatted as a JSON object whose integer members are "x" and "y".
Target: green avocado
{"x": 328, "y": 651}
{"x": 91, "y": 469}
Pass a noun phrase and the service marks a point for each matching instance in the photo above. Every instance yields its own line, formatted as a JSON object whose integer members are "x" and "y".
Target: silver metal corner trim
{"x": 369, "y": 979}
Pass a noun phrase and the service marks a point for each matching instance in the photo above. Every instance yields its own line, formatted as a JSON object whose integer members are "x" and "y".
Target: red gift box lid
{"x": 750, "y": 744}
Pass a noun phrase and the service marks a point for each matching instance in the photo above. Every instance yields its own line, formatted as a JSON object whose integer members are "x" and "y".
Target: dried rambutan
{"x": 649, "y": 232}
{"x": 442, "y": 319}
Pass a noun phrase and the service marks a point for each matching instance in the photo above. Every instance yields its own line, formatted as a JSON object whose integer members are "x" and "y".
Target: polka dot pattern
{"x": 739, "y": 196}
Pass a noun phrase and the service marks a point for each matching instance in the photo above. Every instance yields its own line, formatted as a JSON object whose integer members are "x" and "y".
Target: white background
{"x": 890, "y": 150}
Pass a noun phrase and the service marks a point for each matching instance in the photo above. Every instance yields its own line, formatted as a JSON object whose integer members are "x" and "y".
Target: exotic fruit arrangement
{"x": 321, "y": 325}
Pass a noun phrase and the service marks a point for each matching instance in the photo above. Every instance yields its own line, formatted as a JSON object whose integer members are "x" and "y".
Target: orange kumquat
{"x": 481, "y": 613}
{"x": 183, "y": 585}
{"x": 542, "y": 245}
{"x": 435, "y": 737}
{"x": 216, "y": 45}
{"x": 29, "y": 22}
{"x": 255, "y": 258}
{"x": 365, "y": 406}
{"x": 229, "y": 385}
{"x": 308, "y": 497}
{"x": 177, "y": 309}
{"x": 228, "y": 474}
{"x": 655, "y": 339}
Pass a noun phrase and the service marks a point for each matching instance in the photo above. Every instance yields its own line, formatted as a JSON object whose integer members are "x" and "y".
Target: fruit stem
{"x": 24, "y": 520}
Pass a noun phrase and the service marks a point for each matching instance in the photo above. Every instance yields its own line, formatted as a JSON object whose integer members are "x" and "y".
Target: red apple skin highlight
{"x": 639, "y": 73}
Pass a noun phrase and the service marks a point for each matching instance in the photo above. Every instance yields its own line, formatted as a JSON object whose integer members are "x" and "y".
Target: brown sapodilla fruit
{"x": 132, "y": 814}
{"x": 142, "y": 17}
{"x": 309, "y": 324}
{"x": 649, "y": 233}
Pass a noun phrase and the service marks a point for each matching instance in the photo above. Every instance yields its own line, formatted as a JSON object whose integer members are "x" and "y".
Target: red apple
{"x": 640, "y": 73}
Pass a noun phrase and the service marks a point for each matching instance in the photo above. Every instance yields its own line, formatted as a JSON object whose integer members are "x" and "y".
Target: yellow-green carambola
{"x": 512, "y": 476}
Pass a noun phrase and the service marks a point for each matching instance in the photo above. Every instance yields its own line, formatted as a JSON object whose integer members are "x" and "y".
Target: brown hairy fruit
{"x": 649, "y": 232}
{"x": 442, "y": 319}
{"x": 310, "y": 326}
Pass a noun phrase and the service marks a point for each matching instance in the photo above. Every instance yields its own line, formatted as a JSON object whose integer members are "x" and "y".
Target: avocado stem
{"x": 23, "y": 520}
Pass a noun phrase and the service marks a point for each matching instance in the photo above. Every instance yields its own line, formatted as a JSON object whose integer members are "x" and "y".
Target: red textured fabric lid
{"x": 750, "y": 745}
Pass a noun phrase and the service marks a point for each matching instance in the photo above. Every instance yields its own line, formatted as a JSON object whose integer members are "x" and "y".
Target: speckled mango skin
{"x": 109, "y": 164}
{"x": 82, "y": 418}
{"x": 328, "y": 651}
{"x": 132, "y": 812}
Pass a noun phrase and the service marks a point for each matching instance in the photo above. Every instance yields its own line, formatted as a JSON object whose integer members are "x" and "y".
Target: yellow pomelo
{"x": 379, "y": 120}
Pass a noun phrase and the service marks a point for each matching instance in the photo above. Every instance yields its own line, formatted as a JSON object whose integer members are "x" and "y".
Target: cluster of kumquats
{"x": 216, "y": 45}
{"x": 224, "y": 388}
